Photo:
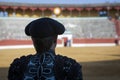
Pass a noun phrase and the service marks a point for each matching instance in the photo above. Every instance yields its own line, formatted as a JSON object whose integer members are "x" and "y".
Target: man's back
{"x": 51, "y": 67}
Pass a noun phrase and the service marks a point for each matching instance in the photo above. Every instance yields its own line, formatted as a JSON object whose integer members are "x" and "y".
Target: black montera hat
{"x": 44, "y": 27}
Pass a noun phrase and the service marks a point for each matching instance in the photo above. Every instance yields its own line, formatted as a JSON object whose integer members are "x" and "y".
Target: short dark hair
{"x": 44, "y": 44}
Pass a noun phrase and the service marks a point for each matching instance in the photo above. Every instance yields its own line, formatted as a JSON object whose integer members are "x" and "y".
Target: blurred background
{"x": 92, "y": 35}
{"x": 87, "y": 22}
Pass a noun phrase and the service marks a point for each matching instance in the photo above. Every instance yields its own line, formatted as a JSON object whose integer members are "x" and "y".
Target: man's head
{"x": 44, "y": 33}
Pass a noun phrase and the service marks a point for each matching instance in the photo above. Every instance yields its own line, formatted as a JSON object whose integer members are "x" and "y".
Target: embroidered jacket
{"x": 64, "y": 68}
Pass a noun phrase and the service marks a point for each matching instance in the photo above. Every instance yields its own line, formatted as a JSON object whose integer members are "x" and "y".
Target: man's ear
{"x": 53, "y": 46}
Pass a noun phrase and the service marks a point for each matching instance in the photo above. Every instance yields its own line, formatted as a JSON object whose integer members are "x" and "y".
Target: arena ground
{"x": 98, "y": 63}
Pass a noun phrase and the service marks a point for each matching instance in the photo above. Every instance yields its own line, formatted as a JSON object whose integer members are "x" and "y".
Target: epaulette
{"x": 68, "y": 67}
{"x": 17, "y": 67}
{"x": 68, "y": 62}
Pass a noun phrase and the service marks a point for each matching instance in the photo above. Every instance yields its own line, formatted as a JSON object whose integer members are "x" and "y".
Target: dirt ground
{"x": 98, "y": 63}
